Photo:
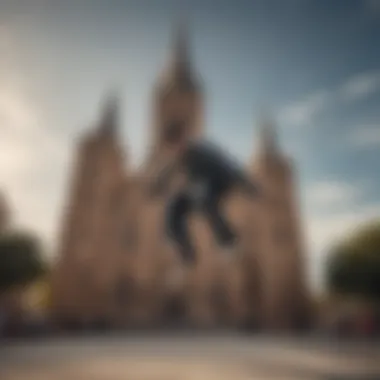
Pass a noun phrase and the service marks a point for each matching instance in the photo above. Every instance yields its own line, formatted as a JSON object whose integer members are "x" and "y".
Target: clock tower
{"x": 178, "y": 101}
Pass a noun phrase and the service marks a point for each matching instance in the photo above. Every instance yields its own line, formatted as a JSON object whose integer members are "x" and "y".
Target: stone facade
{"x": 114, "y": 255}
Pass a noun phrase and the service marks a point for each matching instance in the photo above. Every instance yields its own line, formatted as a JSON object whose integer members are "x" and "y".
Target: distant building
{"x": 113, "y": 254}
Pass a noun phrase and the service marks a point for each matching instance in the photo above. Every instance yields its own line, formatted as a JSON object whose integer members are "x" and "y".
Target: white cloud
{"x": 322, "y": 231}
{"x": 32, "y": 156}
{"x": 304, "y": 111}
{"x": 373, "y": 5}
{"x": 360, "y": 86}
{"x": 365, "y": 137}
{"x": 330, "y": 193}
{"x": 31, "y": 163}
{"x": 333, "y": 209}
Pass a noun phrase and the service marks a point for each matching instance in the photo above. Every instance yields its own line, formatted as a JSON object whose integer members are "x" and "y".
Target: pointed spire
{"x": 179, "y": 72}
{"x": 110, "y": 114}
{"x": 180, "y": 47}
{"x": 268, "y": 142}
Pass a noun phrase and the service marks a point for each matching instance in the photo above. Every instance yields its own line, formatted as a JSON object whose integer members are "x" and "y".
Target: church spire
{"x": 268, "y": 141}
{"x": 179, "y": 73}
{"x": 180, "y": 48}
{"x": 109, "y": 121}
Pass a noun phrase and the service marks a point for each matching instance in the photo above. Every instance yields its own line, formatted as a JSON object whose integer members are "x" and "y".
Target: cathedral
{"x": 114, "y": 256}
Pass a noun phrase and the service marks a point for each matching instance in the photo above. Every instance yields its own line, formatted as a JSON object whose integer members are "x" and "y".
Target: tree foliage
{"x": 354, "y": 265}
{"x": 20, "y": 259}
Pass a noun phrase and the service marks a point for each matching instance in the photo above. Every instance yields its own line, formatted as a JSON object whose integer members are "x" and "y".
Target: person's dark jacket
{"x": 204, "y": 162}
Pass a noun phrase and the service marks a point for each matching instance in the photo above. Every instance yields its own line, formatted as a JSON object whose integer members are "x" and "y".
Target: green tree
{"x": 20, "y": 259}
{"x": 353, "y": 267}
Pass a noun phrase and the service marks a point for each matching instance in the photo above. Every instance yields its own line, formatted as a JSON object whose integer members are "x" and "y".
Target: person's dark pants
{"x": 179, "y": 209}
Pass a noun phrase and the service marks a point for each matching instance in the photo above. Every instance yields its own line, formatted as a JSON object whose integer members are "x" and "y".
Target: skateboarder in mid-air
{"x": 210, "y": 175}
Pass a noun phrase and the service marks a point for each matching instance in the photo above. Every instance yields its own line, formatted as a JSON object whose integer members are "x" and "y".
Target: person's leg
{"x": 178, "y": 211}
{"x": 212, "y": 208}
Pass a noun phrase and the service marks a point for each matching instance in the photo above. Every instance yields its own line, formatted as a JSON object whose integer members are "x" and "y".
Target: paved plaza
{"x": 187, "y": 357}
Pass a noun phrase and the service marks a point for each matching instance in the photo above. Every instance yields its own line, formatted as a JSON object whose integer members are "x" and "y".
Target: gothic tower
{"x": 179, "y": 102}
{"x": 279, "y": 245}
{"x": 85, "y": 272}
{"x": 177, "y": 95}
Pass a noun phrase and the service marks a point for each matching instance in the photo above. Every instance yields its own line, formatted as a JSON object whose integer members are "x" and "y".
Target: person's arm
{"x": 253, "y": 190}
{"x": 250, "y": 187}
{"x": 241, "y": 176}
{"x": 226, "y": 165}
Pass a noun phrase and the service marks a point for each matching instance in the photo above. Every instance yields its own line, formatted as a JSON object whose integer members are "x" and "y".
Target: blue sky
{"x": 314, "y": 64}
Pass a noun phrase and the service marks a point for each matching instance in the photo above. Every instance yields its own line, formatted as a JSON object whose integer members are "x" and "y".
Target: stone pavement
{"x": 187, "y": 358}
